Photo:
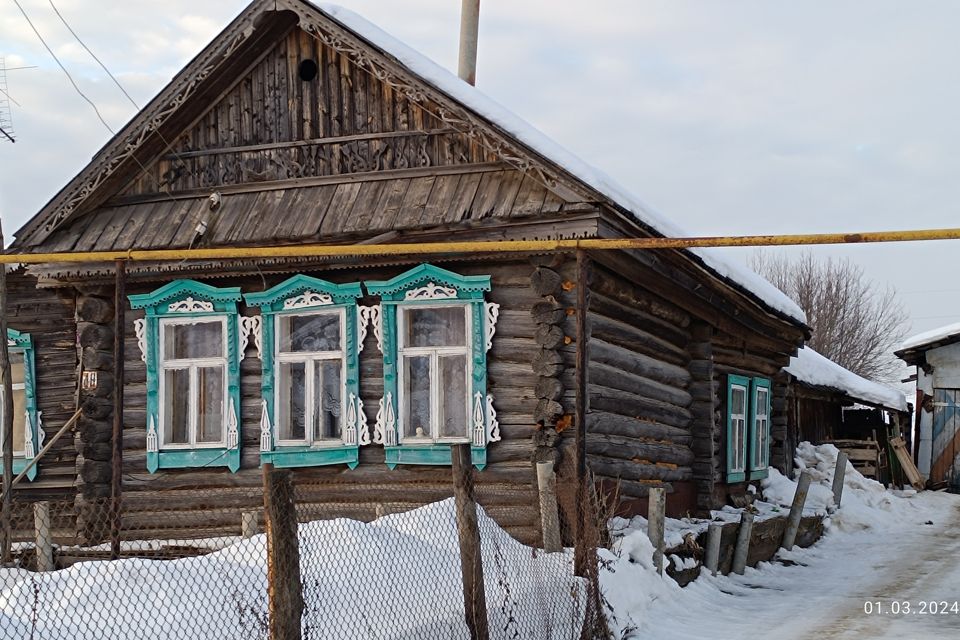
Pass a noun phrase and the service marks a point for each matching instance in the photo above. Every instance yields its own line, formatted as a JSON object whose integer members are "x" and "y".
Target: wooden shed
{"x": 936, "y": 356}
{"x": 828, "y": 403}
{"x": 305, "y": 125}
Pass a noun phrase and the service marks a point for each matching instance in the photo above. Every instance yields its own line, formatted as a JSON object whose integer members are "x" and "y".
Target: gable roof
{"x": 815, "y": 370}
{"x": 516, "y": 142}
{"x": 912, "y": 347}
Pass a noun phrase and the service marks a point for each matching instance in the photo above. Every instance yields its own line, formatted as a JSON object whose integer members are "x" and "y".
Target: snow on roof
{"x": 539, "y": 142}
{"x": 814, "y": 369}
{"x": 929, "y": 337}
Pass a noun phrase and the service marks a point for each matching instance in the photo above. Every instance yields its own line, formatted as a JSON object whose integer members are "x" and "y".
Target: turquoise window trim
{"x": 22, "y": 343}
{"x": 428, "y": 285}
{"x": 303, "y": 294}
{"x": 759, "y": 472}
{"x": 734, "y": 474}
{"x": 190, "y": 299}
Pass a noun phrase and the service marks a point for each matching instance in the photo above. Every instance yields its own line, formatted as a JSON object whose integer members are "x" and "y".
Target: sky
{"x": 734, "y": 117}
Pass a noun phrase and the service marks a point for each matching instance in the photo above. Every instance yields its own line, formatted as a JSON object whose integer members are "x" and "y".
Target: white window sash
{"x": 310, "y": 360}
{"x": 760, "y": 445}
{"x": 434, "y": 353}
{"x": 192, "y": 365}
{"x": 738, "y": 426}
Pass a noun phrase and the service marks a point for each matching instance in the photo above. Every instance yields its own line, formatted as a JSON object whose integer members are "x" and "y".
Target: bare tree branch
{"x": 855, "y": 322}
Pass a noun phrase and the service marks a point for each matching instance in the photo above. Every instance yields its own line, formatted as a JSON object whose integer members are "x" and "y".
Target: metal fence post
{"x": 838, "y": 475}
{"x": 283, "y": 555}
{"x": 468, "y": 531}
{"x": 796, "y": 511}
{"x": 657, "y": 500}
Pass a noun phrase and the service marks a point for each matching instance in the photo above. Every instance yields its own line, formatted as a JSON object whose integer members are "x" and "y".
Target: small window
{"x": 435, "y": 330}
{"x": 748, "y": 428}
{"x": 312, "y": 413}
{"x": 28, "y": 433}
{"x": 190, "y": 339}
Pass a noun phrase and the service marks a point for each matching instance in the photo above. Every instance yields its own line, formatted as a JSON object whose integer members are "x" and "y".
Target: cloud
{"x": 743, "y": 116}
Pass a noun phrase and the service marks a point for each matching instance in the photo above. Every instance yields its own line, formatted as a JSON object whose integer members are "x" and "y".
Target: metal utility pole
{"x": 469, "y": 33}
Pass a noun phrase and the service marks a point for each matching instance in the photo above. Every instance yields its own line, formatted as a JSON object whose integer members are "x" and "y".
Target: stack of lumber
{"x": 864, "y": 455}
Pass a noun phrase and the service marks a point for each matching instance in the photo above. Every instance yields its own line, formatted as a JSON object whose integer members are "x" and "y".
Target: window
{"x": 748, "y": 428}
{"x": 434, "y": 330}
{"x": 190, "y": 339}
{"x": 312, "y": 413}
{"x": 28, "y": 432}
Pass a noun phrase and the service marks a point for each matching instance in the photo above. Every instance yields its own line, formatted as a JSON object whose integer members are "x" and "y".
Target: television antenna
{"x": 6, "y": 124}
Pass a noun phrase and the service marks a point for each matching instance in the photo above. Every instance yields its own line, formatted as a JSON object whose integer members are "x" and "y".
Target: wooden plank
{"x": 906, "y": 463}
{"x": 340, "y": 206}
{"x": 529, "y": 198}
{"x": 459, "y": 207}
{"x": 506, "y": 195}
{"x": 439, "y": 202}
{"x": 414, "y": 202}
{"x": 364, "y": 207}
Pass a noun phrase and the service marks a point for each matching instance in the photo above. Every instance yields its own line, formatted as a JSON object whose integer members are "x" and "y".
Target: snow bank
{"x": 399, "y": 576}
{"x": 814, "y": 369}
{"x": 448, "y": 83}
{"x": 933, "y": 335}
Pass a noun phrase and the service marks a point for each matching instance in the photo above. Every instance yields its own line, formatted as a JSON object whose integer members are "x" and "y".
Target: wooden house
{"x": 306, "y": 125}
{"x": 828, "y": 403}
{"x": 936, "y": 356}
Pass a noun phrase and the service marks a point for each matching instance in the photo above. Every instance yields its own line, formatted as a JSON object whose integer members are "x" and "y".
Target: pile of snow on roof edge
{"x": 933, "y": 335}
{"x": 475, "y": 99}
{"x": 812, "y": 368}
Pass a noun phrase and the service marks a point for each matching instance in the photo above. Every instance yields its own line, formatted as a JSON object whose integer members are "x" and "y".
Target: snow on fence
{"x": 397, "y": 576}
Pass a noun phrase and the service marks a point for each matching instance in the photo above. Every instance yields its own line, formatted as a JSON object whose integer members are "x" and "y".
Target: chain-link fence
{"x": 276, "y": 562}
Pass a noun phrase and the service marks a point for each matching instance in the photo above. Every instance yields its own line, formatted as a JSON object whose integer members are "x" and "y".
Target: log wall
{"x": 172, "y": 503}
{"x": 640, "y": 404}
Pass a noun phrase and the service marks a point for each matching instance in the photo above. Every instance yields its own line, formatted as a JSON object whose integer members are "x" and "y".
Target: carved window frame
{"x": 182, "y": 302}
{"x": 429, "y": 286}
{"x": 305, "y": 295}
{"x": 22, "y": 344}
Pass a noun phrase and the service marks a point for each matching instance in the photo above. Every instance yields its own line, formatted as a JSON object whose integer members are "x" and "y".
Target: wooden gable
{"x": 311, "y": 141}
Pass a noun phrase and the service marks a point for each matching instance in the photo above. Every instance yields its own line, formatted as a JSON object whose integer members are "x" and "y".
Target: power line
{"x": 63, "y": 68}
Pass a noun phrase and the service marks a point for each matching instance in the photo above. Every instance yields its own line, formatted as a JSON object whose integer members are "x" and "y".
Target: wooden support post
{"x": 838, "y": 473}
{"x": 249, "y": 526}
{"x": 549, "y": 513}
{"x": 742, "y": 550}
{"x": 285, "y": 590}
{"x": 6, "y": 421}
{"x": 657, "y": 502}
{"x": 712, "y": 561}
{"x": 796, "y": 511}
{"x": 468, "y": 531}
{"x": 43, "y": 537}
{"x": 116, "y": 452}
{"x": 582, "y": 554}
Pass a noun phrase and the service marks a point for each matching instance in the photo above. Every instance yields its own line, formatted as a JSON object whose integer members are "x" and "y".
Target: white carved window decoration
{"x": 385, "y": 429}
{"x": 190, "y": 305}
{"x": 492, "y": 312}
{"x": 140, "y": 327}
{"x": 249, "y": 326}
{"x": 307, "y": 300}
{"x": 266, "y": 431}
{"x": 366, "y": 316}
{"x": 493, "y": 425}
{"x": 431, "y": 291}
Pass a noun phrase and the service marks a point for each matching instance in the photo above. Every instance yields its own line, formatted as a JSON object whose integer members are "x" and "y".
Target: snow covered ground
{"x": 397, "y": 577}
{"x": 881, "y": 547}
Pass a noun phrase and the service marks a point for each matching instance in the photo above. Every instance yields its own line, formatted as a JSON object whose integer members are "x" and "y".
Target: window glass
{"x": 453, "y": 396}
{"x": 176, "y": 409}
{"x": 435, "y": 327}
{"x": 738, "y": 401}
{"x": 416, "y": 392}
{"x": 293, "y": 400}
{"x": 307, "y": 333}
{"x": 196, "y": 340}
{"x": 211, "y": 419}
{"x": 328, "y": 391}
{"x": 18, "y": 383}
